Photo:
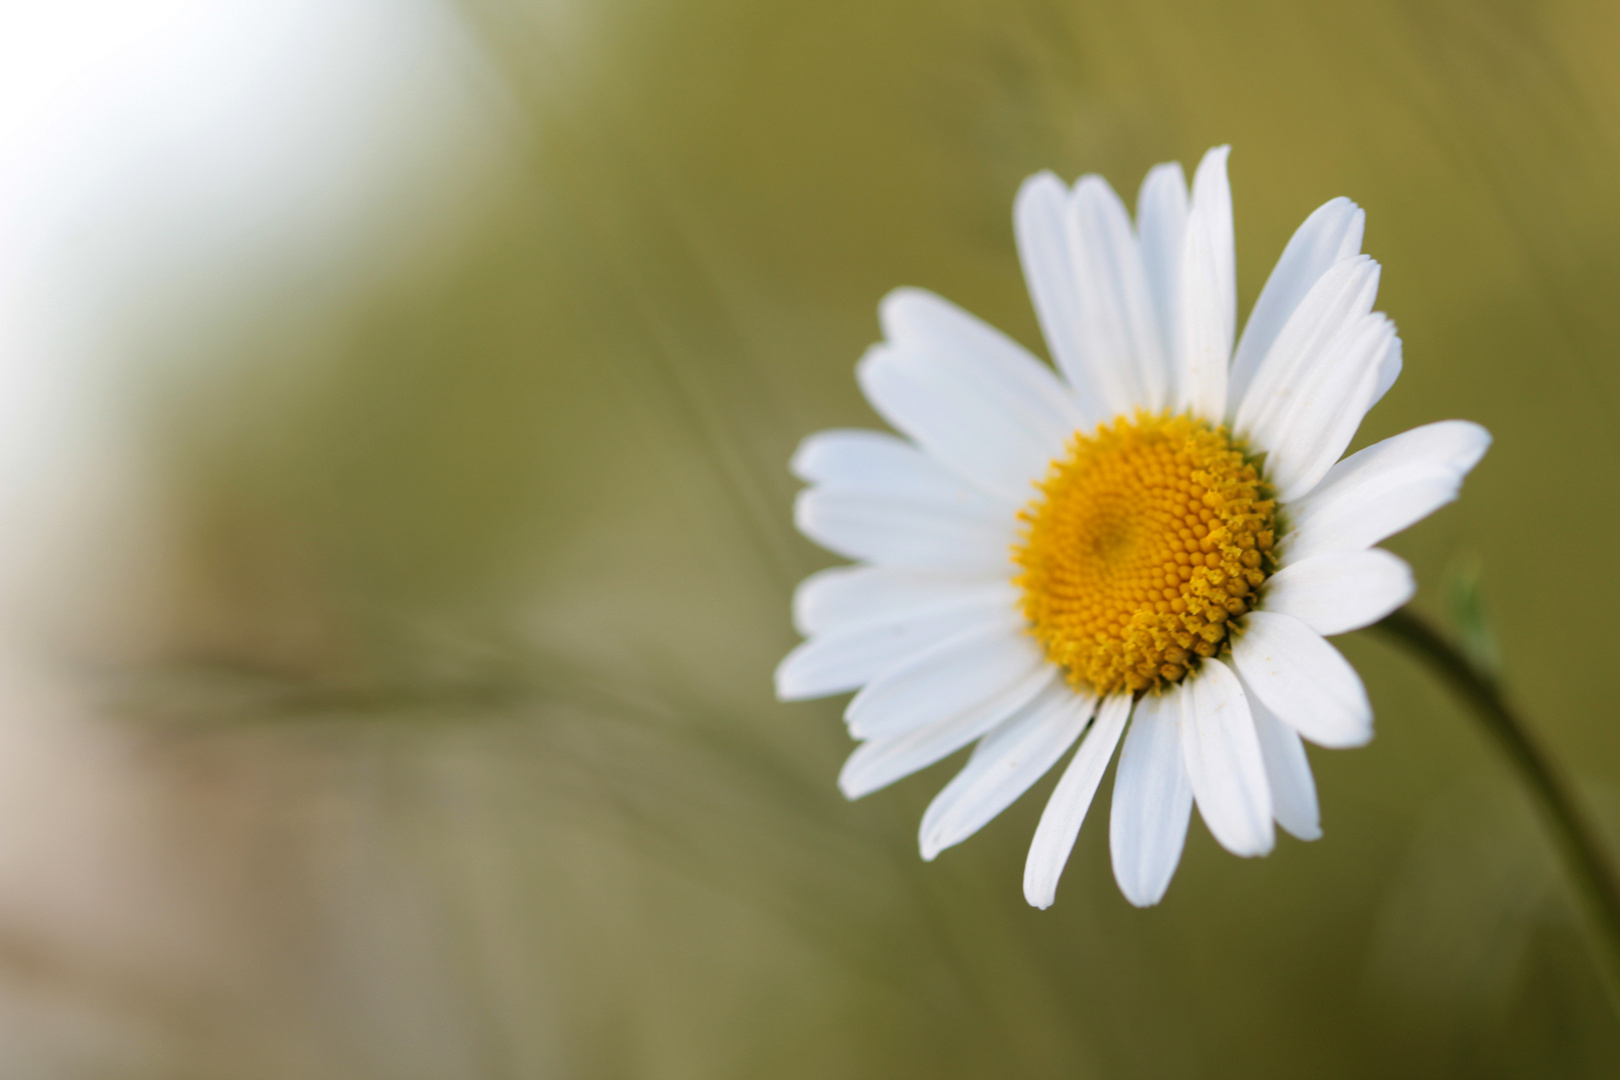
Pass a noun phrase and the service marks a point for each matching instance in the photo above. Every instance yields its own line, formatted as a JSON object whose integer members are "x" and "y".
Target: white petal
{"x": 1004, "y": 764}
{"x": 1066, "y": 809}
{"x": 1208, "y": 294}
{"x": 1388, "y": 372}
{"x": 965, "y": 417}
{"x": 1303, "y": 680}
{"x": 1293, "y": 790}
{"x": 834, "y": 661}
{"x": 877, "y": 461}
{"x": 1329, "y": 235}
{"x": 1119, "y": 336}
{"x": 958, "y": 674}
{"x": 1319, "y": 411}
{"x": 1381, "y": 490}
{"x": 1152, "y": 800}
{"x": 1161, "y": 225}
{"x": 1315, "y": 338}
{"x": 1339, "y": 591}
{"x": 918, "y": 321}
{"x": 860, "y": 457}
{"x": 841, "y": 597}
{"x": 1224, "y": 766}
{"x": 1040, "y": 221}
{"x": 920, "y": 532}
{"x": 880, "y": 762}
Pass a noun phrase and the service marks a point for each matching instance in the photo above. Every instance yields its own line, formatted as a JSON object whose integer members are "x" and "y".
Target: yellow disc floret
{"x": 1145, "y": 540}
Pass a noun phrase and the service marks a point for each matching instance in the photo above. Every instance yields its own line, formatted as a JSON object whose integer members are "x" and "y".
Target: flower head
{"x": 1151, "y": 544}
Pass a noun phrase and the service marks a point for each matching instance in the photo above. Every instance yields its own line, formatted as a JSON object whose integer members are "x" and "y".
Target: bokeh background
{"x": 395, "y": 544}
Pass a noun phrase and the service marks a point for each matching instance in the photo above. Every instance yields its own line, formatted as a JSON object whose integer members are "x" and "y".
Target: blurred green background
{"x": 455, "y": 692}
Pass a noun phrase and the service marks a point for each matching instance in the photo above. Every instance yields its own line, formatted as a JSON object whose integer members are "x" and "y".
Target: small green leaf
{"x": 1465, "y": 611}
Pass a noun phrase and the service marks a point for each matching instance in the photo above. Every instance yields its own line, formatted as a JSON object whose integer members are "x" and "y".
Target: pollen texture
{"x": 1144, "y": 542}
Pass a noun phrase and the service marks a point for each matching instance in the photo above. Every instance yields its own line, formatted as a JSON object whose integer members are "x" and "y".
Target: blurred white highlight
{"x": 161, "y": 162}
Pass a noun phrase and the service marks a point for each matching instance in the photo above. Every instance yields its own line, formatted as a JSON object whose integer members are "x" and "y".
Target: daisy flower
{"x": 1149, "y": 545}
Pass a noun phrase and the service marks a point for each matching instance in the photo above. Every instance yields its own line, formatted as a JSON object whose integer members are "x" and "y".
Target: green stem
{"x": 1573, "y": 832}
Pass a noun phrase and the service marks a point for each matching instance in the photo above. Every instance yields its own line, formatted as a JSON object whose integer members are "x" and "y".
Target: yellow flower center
{"x": 1145, "y": 540}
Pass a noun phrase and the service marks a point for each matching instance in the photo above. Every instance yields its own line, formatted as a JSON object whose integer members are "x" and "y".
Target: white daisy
{"x": 1151, "y": 544}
